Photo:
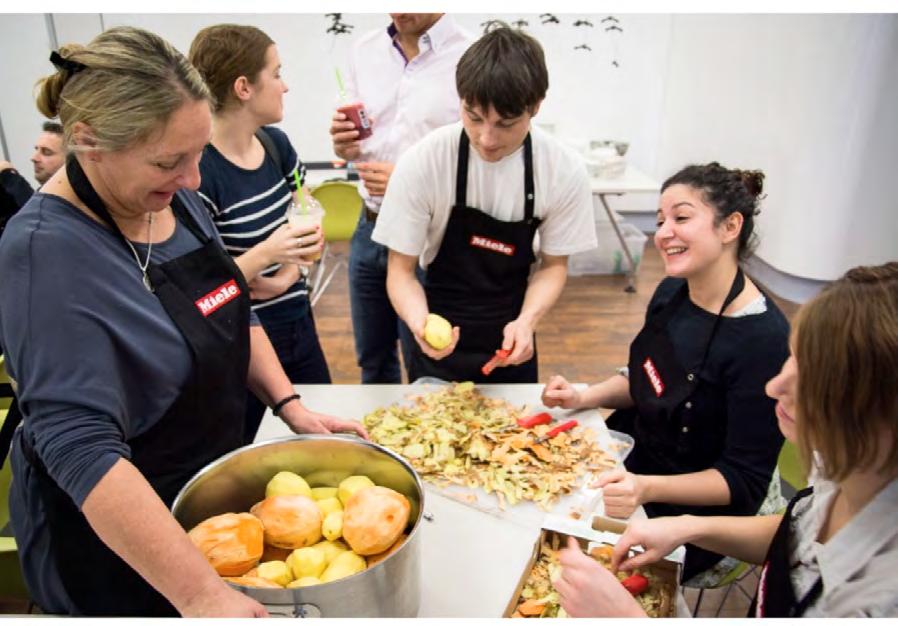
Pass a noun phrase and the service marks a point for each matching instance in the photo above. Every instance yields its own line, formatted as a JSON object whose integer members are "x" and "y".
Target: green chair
{"x": 342, "y": 205}
{"x": 12, "y": 585}
{"x": 5, "y": 401}
{"x": 790, "y": 467}
{"x": 790, "y": 472}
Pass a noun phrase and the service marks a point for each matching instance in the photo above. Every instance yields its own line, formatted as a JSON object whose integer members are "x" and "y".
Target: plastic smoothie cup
{"x": 357, "y": 114}
{"x": 307, "y": 219}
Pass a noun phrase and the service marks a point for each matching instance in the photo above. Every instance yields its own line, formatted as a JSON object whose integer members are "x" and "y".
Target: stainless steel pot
{"x": 237, "y": 480}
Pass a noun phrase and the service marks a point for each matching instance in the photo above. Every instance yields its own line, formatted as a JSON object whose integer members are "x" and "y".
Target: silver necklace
{"x": 143, "y": 266}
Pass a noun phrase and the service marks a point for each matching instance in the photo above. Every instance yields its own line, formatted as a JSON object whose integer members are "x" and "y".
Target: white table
{"x": 632, "y": 180}
{"x": 471, "y": 560}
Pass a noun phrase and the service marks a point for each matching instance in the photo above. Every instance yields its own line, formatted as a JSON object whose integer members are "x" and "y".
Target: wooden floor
{"x": 584, "y": 337}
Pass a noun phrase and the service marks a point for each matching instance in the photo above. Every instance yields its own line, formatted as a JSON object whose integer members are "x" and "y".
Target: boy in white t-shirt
{"x": 466, "y": 203}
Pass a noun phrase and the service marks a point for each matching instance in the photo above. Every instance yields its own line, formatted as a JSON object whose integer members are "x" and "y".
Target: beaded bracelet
{"x": 276, "y": 409}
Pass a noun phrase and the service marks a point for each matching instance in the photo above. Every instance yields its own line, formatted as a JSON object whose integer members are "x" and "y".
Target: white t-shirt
{"x": 421, "y": 194}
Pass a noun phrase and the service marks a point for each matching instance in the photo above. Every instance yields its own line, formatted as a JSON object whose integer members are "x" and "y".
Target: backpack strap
{"x": 270, "y": 149}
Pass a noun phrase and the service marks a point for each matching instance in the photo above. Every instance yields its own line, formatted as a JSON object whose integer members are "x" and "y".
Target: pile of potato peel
{"x": 456, "y": 435}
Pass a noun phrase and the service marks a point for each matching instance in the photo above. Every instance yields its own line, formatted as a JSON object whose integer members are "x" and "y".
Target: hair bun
{"x": 753, "y": 181}
{"x": 49, "y": 88}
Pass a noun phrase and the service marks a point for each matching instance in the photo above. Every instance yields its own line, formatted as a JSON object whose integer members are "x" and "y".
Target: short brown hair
{"x": 506, "y": 70}
{"x": 52, "y": 127}
{"x": 131, "y": 82}
{"x": 846, "y": 344}
{"x": 225, "y": 52}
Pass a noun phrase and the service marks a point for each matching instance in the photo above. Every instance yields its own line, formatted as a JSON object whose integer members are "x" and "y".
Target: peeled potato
{"x": 306, "y": 562}
{"x": 323, "y": 493}
{"x": 277, "y": 572}
{"x": 253, "y": 581}
{"x": 373, "y": 519}
{"x": 287, "y": 484}
{"x": 305, "y": 581}
{"x": 346, "y": 564}
{"x": 331, "y": 549}
{"x": 349, "y": 486}
{"x": 329, "y": 505}
{"x": 289, "y": 521}
{"x": 374, "y": 559}
{"x": 437, "y": 331}
{"x": 332, "y": 526}
{"x": 232, "y": 542}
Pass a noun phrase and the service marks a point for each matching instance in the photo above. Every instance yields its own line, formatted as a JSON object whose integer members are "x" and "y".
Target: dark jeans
{"x": 375, "y": 324}
{"x": 300, "y": 354}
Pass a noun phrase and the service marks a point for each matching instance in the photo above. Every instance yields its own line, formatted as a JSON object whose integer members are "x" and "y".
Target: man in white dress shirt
{"x": 466, "y": 203}
{"x": 405, "y": 77}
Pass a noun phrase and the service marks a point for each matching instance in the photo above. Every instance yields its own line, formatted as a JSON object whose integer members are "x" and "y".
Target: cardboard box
{"x": 602, "y": 531}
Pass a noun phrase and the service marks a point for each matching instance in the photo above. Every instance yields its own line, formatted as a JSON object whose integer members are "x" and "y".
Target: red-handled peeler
{"x": 494, "y": 362}
{"x": 555, "y": 431}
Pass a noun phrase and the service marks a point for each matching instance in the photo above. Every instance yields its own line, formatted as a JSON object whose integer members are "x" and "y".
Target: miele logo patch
{"x": 654, "y": 377}
{"x": 492, "y": 245}
{"x": 217, "y": 298}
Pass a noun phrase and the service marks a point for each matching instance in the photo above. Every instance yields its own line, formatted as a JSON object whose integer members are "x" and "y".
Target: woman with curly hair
{"x": 693, "y": 393}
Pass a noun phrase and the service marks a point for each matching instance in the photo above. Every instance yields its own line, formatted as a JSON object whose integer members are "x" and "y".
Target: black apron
{"x": 478, "y": 281}
{"x": 660, "y": 420}
{"x": 205, "y": 421}
{"x": 776, "y": 596}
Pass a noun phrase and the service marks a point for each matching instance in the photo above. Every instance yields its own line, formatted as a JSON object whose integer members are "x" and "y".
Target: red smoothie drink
{"x": 359, "y": 117}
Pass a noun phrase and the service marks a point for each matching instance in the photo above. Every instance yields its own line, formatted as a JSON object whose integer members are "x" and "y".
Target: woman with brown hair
{"x": 249, "y": 172}
{"x": 693, "y": 397}
{"x": 834, "y": 552}
{"x": 128, "y": 331}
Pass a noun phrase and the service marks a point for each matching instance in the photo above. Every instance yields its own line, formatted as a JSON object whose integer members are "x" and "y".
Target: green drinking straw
{"x": 340, "y": 83}
{"x": 299, "y": 192}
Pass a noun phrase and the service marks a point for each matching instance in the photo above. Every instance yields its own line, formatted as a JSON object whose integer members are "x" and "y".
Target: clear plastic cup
{"x": 306, "y": 219}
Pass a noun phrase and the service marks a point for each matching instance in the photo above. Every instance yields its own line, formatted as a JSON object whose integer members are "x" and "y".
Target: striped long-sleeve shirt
{"x": 247, "y": 206}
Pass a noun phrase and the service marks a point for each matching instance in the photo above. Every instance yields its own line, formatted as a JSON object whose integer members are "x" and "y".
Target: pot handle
{"x": 293, "y": 610}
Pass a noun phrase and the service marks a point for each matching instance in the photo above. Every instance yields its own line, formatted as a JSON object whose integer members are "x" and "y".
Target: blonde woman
{"x": 834, "y": 552}
{"x": 134, "y": 344}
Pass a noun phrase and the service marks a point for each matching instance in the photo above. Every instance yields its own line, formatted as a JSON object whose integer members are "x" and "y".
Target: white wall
{"x": 25, "y": 50}
{"x": 810, "y": 99}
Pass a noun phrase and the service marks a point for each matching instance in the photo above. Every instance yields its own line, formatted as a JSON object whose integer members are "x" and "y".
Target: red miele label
{"x": 492, "y": 245}
{"x": 217, "y": 298}
{"x": 654, "y": 377}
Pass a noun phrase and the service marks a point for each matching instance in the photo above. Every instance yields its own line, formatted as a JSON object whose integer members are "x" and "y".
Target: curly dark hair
{"x": 728, "y": 191}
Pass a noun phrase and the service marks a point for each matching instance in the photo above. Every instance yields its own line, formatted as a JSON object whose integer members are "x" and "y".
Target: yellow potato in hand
{"x": 437, "y": 331}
